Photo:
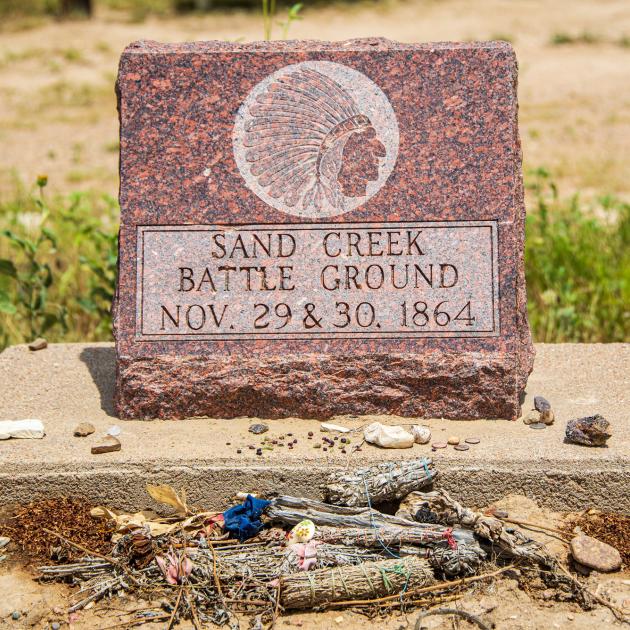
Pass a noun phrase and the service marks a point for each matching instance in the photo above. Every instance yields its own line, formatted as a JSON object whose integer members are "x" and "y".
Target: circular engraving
{"x": 315, "y": 139}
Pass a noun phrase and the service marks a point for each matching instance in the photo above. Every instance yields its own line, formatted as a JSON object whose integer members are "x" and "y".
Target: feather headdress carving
{"x": 295, "y": 137}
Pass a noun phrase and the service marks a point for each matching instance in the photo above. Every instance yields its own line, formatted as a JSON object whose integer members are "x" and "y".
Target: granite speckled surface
{"x": 450, "y": 152}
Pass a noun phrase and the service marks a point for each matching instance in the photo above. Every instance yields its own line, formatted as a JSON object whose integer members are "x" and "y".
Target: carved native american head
{"x": 308, "y": 144}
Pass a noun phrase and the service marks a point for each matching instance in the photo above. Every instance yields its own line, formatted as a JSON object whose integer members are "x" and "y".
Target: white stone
{"x": 27, "y": 429}
{"x": 329, "y": 427}
{"x": 422, "y": 435}
{"x": 388, "y": 436}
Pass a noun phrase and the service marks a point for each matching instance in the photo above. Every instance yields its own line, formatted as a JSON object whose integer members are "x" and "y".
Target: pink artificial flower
{"x": 175, "y": 569}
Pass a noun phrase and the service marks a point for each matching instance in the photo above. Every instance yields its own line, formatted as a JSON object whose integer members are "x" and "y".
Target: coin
{"x": 538, "y": 425}
{"x": 472, "y": 440}
{"x": 461, "y": 447}
{"x": 438, "y": 445}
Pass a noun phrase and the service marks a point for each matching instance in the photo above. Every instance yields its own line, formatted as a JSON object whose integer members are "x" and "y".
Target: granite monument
{"x": 313, "y": 228}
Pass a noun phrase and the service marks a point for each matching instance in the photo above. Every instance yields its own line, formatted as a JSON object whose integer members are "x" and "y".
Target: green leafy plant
{"x": 103, "y": 265}
{"x": 269, "y": 10}
{"x": 293, "y": 15}
{"x": 32, "y": 279}
{"x": 58, "y": 266}
{"x": 577, "y": 266}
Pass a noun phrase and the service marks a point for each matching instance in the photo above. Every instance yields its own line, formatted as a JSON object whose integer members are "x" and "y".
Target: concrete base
{"x": 67, "y": 384}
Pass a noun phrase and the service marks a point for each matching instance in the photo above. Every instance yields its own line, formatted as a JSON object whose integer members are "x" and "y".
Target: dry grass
{"x": 68, "y": 517}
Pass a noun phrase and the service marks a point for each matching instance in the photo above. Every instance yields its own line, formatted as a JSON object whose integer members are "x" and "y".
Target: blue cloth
{"x": 243, "y": 521}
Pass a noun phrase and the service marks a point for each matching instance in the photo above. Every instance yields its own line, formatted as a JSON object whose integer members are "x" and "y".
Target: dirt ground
{"x": 57, "y": 105}
{"x": 502, "y": 602}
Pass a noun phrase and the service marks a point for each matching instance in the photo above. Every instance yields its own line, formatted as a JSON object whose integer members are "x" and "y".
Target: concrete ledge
{"x": 66, "y": 384}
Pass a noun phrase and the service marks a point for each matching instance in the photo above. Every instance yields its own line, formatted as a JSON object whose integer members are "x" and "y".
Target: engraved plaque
{"x": 348, "y": 280}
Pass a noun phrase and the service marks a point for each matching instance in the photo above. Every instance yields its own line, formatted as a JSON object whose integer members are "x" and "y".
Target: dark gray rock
{"x": 258, "y": 428}
{"x": 590, "y": 431}
{"x": 541, "y": 404}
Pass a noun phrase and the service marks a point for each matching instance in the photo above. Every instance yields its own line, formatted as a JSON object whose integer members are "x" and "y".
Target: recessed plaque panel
{"x": 351, "y": 280}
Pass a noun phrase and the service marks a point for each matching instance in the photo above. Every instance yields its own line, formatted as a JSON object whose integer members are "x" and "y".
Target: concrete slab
{"x": 70, "y": 383}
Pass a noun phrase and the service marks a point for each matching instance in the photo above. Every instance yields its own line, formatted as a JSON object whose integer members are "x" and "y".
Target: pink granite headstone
{"x": 311, "y": 229}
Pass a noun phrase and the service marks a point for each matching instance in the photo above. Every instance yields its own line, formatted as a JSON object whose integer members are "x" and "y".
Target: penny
{"x": 439, "y": 445}
{"x": 472, "y": 440}
{"x": 461, "y": 447}
{"x": 538, "y": 425}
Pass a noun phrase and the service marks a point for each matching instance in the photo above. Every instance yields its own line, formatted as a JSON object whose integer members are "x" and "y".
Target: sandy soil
{"x": 57, "y": 106}
{"x": 502, "y": 602}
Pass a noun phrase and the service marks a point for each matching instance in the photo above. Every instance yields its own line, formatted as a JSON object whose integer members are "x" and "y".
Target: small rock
{"x": 317, "y": 445}
{"x": 453, "y": 440}
{"x": 472, "y": 440}
{"x": 547, "y": 416}
{"x": 501, "y": 514}
{"x": 55, "y": 625}
{"x": 4, "y": 541}
{"x": 439, "y": 445}
{"x": 387, "y": 436}
{"x": 590, "y": 431}
{"x": 39, "y": 344}
{"x": 422, "y": 435}
{"x": 461, "y": 447}
{"x": 595, "y": 554}
{"x": 257, "y": 429}
{"x": 15, "y": 615}
{"x": 329, "y": 427}
{"x": 541, "y": 404}
{"x": 532, "y": 417}
{"x": 108, "y": 444}
{"x": 83, "y": 429}
{"x": 538, "y": 425}
{"x": 30, "y": 429}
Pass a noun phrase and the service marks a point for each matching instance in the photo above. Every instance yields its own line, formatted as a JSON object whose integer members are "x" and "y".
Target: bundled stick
{"x": 368, "y": 580}
{"x": 390, "y": 536}
{"x": 509, "y": 541}
{"x": 384, "y": 482}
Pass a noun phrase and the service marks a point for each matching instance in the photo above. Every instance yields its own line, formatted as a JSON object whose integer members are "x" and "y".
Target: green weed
{"x": 57, "y": 266}
{"x": 577, "y": 266}
{"x": 585, "y": 37}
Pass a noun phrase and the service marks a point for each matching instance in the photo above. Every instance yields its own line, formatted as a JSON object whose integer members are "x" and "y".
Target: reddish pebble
{"x": 238, "y": 450}
{"x": 439, "y": 445}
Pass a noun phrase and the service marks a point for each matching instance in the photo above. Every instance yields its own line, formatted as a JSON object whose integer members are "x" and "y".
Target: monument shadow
{"x": 101, "y": 362}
